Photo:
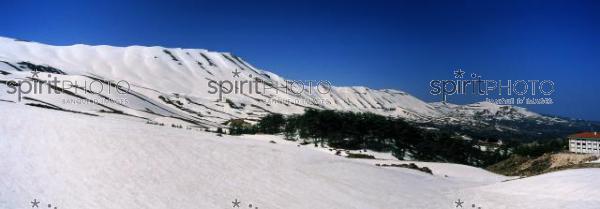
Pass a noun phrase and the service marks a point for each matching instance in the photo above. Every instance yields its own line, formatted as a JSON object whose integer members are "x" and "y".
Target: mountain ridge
{"x": 175, "y": 83}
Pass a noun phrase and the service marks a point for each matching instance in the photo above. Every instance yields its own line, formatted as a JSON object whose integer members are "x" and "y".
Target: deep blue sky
{"x": 380, "y": 44}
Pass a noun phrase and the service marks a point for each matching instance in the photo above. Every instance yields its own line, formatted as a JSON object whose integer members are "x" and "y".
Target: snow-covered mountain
{"x": 486, "y": 111}
{"x": 174, "y": 85}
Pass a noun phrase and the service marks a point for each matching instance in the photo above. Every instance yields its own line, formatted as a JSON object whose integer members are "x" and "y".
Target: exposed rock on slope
{"x": 527, "y": 166}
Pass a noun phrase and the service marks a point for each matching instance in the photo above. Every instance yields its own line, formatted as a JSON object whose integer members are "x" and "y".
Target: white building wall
{"x": 584, "y": 146}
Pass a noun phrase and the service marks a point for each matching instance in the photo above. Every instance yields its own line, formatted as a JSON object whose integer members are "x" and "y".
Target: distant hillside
{"x": 528, "y": 166}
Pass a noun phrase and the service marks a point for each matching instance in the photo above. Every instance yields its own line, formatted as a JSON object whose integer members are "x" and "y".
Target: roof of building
{"x": 585, "y": 135}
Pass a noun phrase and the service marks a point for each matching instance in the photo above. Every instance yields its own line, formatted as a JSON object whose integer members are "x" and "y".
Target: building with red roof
{"x": 585, "y": 143}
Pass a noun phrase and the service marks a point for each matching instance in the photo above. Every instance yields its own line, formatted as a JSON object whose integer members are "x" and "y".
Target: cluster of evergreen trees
{"x": 538, "y": 148}
{"x": 349, "y": 130}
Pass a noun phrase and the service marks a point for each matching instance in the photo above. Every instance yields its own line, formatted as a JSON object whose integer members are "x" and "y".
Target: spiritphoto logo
{"x": 53, "y": 85}
{"x": 503, "y": 92}
{"x": 260, "y": 86}
{"x": 298, "y": 101}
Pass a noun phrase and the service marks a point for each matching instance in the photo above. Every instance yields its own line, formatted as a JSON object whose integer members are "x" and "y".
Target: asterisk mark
{"x": 236, "y": 203}
{"x": 236, "y": 73}
{"x": 459, "y": 203}
{"x": 459, "y": 73}
{"x": 34, "y": 74}
{"x": 34, "y": 203}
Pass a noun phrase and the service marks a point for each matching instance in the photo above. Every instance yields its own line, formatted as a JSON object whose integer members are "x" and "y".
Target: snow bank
{"x": 78, "y": 161}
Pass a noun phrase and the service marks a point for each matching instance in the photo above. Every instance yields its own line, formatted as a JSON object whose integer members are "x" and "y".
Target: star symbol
{"x": 459, "y": 203}
{"x": 34, "y": 73}
{"x": 236, "y": 73}
{"x": 236, "y": 203}
{"x": 459, "y": 73}
{"x": 34, "y": 203}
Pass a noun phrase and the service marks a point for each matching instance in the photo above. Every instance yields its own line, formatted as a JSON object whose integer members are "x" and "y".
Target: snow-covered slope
{"x": 173, "y": 85}
{"x": 120, "y": 162}
{"x": 484, "y": 109}
{"x": 565, "y": 189}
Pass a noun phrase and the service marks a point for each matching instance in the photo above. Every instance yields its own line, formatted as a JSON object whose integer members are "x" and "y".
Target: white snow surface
{"x": 72, "y": 160}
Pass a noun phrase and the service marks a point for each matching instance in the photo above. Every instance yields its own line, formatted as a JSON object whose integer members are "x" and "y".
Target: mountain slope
{"x": 182, "y": 87}
{"x": 517, "y": 165}
{"x": 119, "y": 162}
{"x": 156, "y": 71}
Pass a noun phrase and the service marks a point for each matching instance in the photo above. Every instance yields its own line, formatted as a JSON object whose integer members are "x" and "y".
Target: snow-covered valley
{"x": 72, "y": 160}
